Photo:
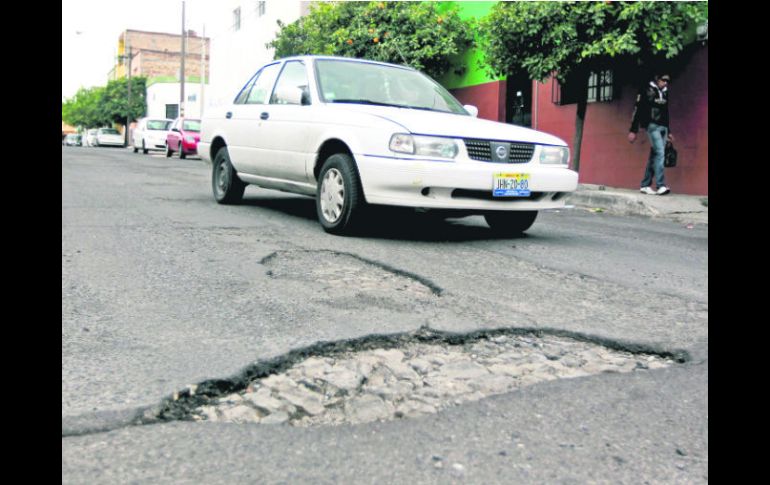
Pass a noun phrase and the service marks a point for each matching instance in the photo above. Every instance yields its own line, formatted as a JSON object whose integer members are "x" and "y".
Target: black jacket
{"x": 651, "y": 106}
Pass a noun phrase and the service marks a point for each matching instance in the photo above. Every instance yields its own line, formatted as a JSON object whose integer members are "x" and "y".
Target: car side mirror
{"x": 288, "y": 95}
{"x": 175, "y": 129}
{"x": 472, "y": 110}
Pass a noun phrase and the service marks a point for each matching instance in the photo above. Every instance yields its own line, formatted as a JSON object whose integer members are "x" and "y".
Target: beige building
{"x": 157, "y": 54}
{"x": 158, "y": 57}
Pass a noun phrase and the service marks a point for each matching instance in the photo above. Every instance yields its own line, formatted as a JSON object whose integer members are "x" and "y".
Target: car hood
{"x": 446, "y": 124}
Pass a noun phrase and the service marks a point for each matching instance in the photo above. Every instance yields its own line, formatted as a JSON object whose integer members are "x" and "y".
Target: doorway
{"x": 518, "y": 100}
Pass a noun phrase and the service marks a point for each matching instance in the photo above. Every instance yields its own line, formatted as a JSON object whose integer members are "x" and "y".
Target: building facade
{"x": 241, "y": 31}
{"x": 158, "y": 56}
{"x": 607, "y": 158}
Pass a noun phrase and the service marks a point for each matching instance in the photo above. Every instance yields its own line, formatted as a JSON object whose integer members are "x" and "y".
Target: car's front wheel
{"x": 227, "y": 187}
{"x": 144, "y": 148}
{"x": 168, "y": 151}
{"x": 339, "y": 197}
{"x": 182, "y": 154}
{"x": 511, "y": 223}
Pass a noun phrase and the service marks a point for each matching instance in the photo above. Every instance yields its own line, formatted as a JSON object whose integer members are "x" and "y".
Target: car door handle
{"x": 264, "y": 115}
{"x": 229, "y": 115}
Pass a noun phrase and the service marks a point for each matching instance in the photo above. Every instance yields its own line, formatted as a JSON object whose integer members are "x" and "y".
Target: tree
{"x": 114, "y": 103}
{"x": 567, "y": 39}
{"x": 105, "y": 105}
{"x": 84, "y": 109}
{"x": 422, "y": 35}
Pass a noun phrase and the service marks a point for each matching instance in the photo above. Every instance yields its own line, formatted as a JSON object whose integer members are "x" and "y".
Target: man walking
{"x": 651, "y": 113}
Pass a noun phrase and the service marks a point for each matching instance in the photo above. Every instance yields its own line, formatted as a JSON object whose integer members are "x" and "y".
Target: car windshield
{"x": 366, "y": 83}
{"x": 192, "y": 125}
{"x": 109, "y": 131}
{"x": 158, "y": 124}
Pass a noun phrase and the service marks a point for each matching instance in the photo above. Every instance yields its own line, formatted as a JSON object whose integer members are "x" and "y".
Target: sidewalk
{"x": 688, "y": 209}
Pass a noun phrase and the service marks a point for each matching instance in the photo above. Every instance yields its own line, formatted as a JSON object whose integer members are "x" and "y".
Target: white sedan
{"x": 352, "y": 133}
{"x": 108, "y": 137}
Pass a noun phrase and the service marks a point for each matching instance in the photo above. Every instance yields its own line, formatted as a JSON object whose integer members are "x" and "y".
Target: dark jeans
{"x": 657, "y": 135}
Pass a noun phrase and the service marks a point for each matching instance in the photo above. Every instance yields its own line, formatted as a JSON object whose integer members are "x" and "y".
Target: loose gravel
{"x": 414, "y": 380}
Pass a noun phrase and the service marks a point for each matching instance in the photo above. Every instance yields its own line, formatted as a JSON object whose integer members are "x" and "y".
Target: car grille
{"x": 481, "y": 150}
{"x": 487, "y": 195}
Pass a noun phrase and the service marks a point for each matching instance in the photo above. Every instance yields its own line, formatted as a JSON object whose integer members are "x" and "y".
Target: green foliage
{"x": 104, "y": 105}
{"x": 84, "y": 109}
{"x": 413, "y": 33}
{"x": 545, "y": 38}
{"x": 115, "y": 105}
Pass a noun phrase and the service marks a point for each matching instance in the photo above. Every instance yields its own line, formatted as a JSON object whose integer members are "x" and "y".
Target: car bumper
{"x": 110, "y": 143}
{"x": 463, "y": 185}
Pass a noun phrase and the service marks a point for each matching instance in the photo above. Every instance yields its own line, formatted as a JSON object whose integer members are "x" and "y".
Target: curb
{"x": 688, "y": 209}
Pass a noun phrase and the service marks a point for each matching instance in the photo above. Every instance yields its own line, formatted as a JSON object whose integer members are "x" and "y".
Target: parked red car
{"x": 183, "y": 137}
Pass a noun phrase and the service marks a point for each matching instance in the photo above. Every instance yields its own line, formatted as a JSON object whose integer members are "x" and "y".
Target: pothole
{"x": 344, "y": 272}
{"x": 415, "y": 378}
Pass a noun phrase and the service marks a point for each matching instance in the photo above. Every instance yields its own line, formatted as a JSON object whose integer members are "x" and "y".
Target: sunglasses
{"x": 665, "y": 80}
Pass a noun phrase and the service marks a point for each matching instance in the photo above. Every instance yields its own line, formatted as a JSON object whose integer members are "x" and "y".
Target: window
{"x": 600, "y": 86}
{"x": 293, "y": 75}
{"x": 192, "y": 97}
{"x": 237, "y": 19}
{"x": 172, "y": 111}
{"x": 261, "y": 8}
{"x": 263, "y": 86}
{"x": 241, "y": 98}
{"x": 192, "y": 125}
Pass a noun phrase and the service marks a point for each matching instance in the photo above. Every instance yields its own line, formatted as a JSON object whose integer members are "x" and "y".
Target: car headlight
{"x": 189, "y": 139}
{"x": 429, "y": 146}
{"x": 554, "y": 155}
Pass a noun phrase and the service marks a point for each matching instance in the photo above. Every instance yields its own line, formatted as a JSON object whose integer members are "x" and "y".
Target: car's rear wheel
{"x": 510, "y": 223}
{"x": 136, "y": 150}
{"x": 168, "y": 151}
{"x": 339, "y": 197}
{"x": 227, "y": 187}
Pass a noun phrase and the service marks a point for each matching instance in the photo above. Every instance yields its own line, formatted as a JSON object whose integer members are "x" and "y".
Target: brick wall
{"x": 159, "y": 54}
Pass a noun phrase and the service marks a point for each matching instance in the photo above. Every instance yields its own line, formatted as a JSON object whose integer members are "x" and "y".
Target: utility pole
{"x": 181, "y": 75}
{"x": 128, "y": 113}
{"x": 203, "y": 68}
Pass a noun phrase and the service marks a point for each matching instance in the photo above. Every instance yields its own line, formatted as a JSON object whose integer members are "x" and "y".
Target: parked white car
{"x": 90, "y": 138}
{"x": 108, "y": 137}
{"x": 150, "y": 134}
{"x": 353, "y": 132}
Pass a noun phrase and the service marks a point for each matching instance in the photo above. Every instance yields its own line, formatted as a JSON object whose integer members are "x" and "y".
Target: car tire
{"x": 144, "y": 148}
{"x": 339, "y": 196}
{"x": 227, "y": 187}
{"x": 168, "y": 151}
{"x": 182, "y": 154}
{"x": 136, "y": 150}
{"x": 510, "y": 223}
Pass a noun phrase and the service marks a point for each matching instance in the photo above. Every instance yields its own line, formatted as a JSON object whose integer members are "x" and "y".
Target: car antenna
{"x": 400, "y": 54}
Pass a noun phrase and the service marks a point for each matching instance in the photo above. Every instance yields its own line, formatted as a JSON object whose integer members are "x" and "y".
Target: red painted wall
{"x": 608, "y": 159}
{"x": 489, "y": 98}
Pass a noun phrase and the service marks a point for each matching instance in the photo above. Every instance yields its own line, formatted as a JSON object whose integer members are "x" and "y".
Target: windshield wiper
{"x": 377, "y": 103}
{"x": 368, "y": 101}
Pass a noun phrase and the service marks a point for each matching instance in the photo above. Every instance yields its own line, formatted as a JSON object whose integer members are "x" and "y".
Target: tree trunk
{"x": 580, "y": 118}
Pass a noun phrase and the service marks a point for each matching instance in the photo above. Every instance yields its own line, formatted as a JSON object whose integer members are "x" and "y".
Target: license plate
{"x": 511, "y": 185}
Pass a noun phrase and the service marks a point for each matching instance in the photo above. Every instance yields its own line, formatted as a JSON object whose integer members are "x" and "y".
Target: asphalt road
{"x": 162, "y": 288}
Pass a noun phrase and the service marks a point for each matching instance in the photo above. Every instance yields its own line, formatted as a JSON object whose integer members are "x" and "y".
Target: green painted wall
{"x": 475, "y": 72}
{"x": 174, "y": 79}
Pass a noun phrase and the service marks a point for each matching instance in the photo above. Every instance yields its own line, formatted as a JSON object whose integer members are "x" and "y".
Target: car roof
{"x": 340, "y": 58}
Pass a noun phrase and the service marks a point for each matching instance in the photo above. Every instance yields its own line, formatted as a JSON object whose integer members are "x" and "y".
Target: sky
{"x": 91, "y": 28}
